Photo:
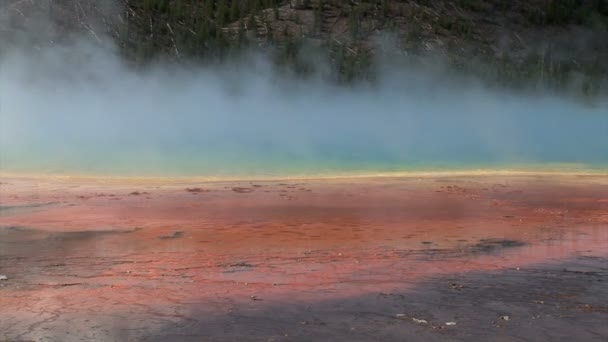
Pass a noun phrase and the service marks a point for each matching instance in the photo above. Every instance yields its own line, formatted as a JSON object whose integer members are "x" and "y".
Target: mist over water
{"x": 78, "y": 109}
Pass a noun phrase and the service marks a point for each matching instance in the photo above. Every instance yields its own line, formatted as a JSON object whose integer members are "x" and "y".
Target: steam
{"x": 78, "y": 108}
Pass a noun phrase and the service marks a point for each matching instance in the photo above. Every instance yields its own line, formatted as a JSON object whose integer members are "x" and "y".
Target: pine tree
{"x": 234, "y": 11}
{"x": 221, "y": 11}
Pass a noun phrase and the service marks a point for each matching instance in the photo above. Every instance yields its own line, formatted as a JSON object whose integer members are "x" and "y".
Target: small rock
{"x": 3, "y": 277}
{"x": 173, "y": 235}
{"x": 400, "y": 315}
{"x": 419, "y": 321}
{"x": 450, "y": 323}
{"x": 196, "y": 190}
{"x": 504, "y": 318}
{"x": 242, "y": 190}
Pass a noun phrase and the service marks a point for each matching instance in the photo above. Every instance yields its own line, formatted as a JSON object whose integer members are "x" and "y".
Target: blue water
{"x": 110, "y": 121}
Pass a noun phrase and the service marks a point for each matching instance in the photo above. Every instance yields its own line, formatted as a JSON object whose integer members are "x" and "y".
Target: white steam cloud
{"x": 79, "y": 109}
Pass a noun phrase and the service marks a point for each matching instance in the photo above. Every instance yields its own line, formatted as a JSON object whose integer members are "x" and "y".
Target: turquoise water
{"x": 556, "y": 141}
{"x": 105, "y": 120}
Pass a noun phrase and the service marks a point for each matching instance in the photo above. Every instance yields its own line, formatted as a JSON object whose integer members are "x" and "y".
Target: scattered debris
{"x": 490, "y": 245}
{"x": 255, "y": 298}
{"x": 457, "y": 286}
{"x": 236, "y": 267}
{"x": 60, "y": 284}
{"x": 400, "y": 315}
{"x": 420, "y": 321}
{"x": 453, "y": 189}
{"x": 313, "y": 322}
{"x": 242, "y": 190}
{"x": 593, "y": 308}
{"x": 137, "y": 193}
{"x": 196, "y": 190}
{"x": 3, "y": 277}
{"x": 580, "y": 272}
{"x": 450, "y": 323}
{"x": 241, "y": 264}
{"x": 173, "y": 235}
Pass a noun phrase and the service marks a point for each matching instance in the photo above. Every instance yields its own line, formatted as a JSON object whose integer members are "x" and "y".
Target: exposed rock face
{"x": 545, "y": 41}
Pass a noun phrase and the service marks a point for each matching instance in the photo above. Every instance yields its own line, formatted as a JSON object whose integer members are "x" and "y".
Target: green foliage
{"x": 235, "y": 11}
{"x": 570, "y": 12}
{"x": 350, "y": 64}
{"x": 203, "y": 30}
{"x": 475, "y": 5}
{"x": 354, "y": 23}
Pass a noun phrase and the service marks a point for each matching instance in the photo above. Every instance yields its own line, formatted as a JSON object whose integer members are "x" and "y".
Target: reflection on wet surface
{"x": 154, "y": 261}
{"x": 17, "y": 209}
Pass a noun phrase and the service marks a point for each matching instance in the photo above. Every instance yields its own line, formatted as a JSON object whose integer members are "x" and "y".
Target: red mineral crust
{"x": 88, "y": 259}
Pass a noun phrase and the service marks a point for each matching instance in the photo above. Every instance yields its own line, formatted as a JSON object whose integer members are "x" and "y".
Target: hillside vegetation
{"x": 525, "y": 44}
